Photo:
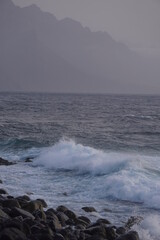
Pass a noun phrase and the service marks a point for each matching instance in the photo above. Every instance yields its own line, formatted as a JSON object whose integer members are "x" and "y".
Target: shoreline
{"x": 22, "y": 218}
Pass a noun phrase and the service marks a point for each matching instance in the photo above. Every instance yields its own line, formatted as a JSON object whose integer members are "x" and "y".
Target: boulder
{"x": 5, "y": 162}
{"x": 11, "y": 203}
{"x": 44, "y": 204}
{"x": 33, "y": 206}
{"x": 98, "y": 231}
{"x": 62, "y": 218}
{"x": 3, "y": 191}
{"x": 71, "y": 215}
{"x": 89, "y": 209}
{"x": 1, "y": 181}
{"x": 3, "y": 214}
{"x": 111, "y": 233}
{"x": 59, "y": 236}
{"x": 85, "y": 219}
{"x": 12, "y": 234}
{"x": 39, "y": 214}
{"x": 28, "y": 160}
{"x": 15, "y": 212}
{"x": 61, "y": 208}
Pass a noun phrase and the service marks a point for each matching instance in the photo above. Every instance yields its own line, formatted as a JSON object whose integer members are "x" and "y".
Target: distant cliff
{"x": 40, "y": 53}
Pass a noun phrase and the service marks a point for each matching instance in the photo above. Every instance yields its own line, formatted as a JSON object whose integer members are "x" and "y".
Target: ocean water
{"x": 88, "y": 150}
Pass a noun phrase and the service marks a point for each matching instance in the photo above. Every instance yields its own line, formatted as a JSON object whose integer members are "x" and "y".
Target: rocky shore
{"x": 22, "y": 218}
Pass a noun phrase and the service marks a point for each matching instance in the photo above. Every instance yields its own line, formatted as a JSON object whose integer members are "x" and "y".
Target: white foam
{"x": 126, "y": 175}
{"x": 71, "y": 156}
{"x": 149, "y": 228}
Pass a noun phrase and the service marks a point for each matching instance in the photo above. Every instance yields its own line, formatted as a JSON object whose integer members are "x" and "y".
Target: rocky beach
{"x": 22, "y": 218}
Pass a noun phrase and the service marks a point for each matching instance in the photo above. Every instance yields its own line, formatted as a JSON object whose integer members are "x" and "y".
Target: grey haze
{"x": 40, "y": 53}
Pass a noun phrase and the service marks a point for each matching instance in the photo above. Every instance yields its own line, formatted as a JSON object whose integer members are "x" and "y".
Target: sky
{"x": 133, "y": 22}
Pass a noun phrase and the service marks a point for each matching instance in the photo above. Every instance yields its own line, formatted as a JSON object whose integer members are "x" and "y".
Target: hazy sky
{"x": 134, "y": 22}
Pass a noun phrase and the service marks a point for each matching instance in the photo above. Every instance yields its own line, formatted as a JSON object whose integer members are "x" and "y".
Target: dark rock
{"x": 5, "y": 162}
{"x": 80, "y": 222}
{"x": 62, "y": 218}
{"x": 1, "y": 181}
{"x": 13, "y": 223}
{"x": 111, "y": 233}
{"x": 2, "y": 191}
{"x": 104, "y": 221}
{"x": 28, "y": 160}
{"x": 51, "y": 211}
{"x": 70, "y": 214}
{"x": 3, "y": 214}
{"x": 15, "y": 212}
{"x": 58, "y": 236}
{"x": 24, "y": 198}
{"x": 41, "y": 236}
{"x": 7, "y": 210}
{"x": 132, "y": 235}
{"x": 96, "y": 231}
{"x": 133, "y": 220}
{"x": 12, "y": 234}
{"x": 85, "y": 219}
{"x": 39, "y": 214}
{"x": 44, "y": 204}
{"x": 54, "y": 224}
{"x": 33, "y": 206}
{"x": 11, "y": 203}
{"x": 10, "y": 197}
{"x": 121, "y": 230}
{"x": 89, "y": 209}
{"x": 61, "y": 208}
{"x": 68, "y": 233}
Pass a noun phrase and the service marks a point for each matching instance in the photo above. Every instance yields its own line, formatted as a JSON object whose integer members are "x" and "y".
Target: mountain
{"x": 40, "y": 53}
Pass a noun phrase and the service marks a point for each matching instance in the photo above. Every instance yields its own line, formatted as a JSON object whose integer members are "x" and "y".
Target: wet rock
{"x": 133, "y": 220}
{"x": 28, "y": 160}
{"x": 89, "y": 209}
{"x": 5, "y": 162}
{"x": 50, "y": 211}
{"x": 71, "y": 215}
{"x": 81, "y": 222}
{"x": 15, "y": 212}
{"x": 33, "y": 206}
{"x": 98, "y": 231}
{"x": 111, "y": 233}
{"x": 132, "y": 235}
{"x": 85, "y": 219}
{"x": 3, "y": 214}
{"x": 44, "y": 204}
{"x": 121, "y": 230}
{"x": 102, "y": 220}
{"x": 11, "y": 203}
{"x": 3, "y": 191}
{"x": 63, "y": 218}
{"x": 61, "y": 208}
{"x": 39, "y": 214}
{"x": 12, "y": 234}
{"x": 59, "y": 236}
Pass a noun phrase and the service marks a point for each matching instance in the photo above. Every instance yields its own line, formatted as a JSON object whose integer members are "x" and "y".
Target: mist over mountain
{"x": 40, "y": 53}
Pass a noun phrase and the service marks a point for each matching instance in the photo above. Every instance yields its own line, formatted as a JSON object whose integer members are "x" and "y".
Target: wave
{"x": 125, "y": 176}
{"x": 67, "y": 155}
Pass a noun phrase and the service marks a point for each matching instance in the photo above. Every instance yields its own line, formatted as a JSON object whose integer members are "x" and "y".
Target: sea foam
{"x": 126, "y": 176}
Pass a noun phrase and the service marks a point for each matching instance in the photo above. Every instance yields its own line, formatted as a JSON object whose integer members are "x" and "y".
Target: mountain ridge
{"x": 39, "y": 52}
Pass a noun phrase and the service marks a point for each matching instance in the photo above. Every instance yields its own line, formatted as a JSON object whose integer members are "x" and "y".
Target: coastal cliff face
{"x": 39, "y": 52}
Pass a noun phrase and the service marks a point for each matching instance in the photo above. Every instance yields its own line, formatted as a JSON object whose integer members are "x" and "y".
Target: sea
{"x": 87, "y": 150}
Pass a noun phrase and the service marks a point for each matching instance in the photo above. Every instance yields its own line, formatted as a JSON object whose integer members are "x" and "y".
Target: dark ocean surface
{"x": 98, "y": 150}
